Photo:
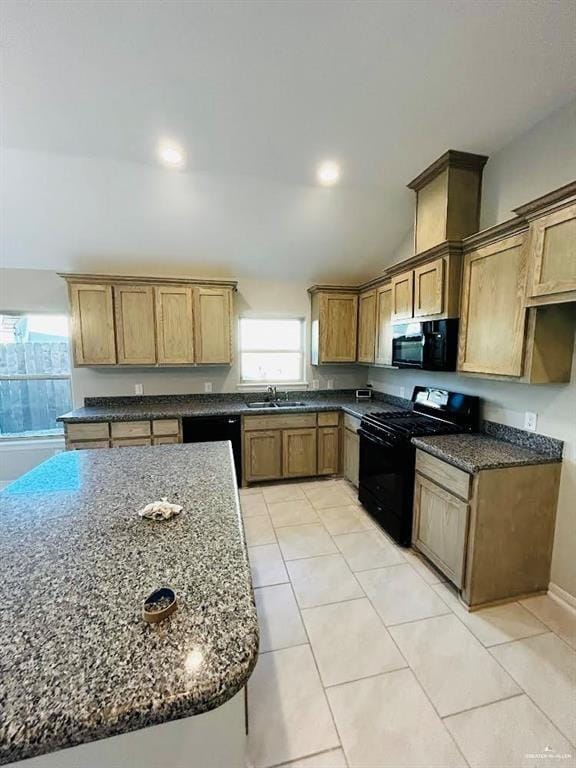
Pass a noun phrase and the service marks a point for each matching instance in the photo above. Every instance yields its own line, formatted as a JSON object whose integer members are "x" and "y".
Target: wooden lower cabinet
{"x": 328, "y": 450}
{"x": 440, "y": 527}
{"x": 133, "y": 442}
{"x": 351, "y": 455}
{"x": 291, "y": 445}
{"x": 495, "y": 541}
{"x": 262, "y": 455}
{"x": 80, "y": 435}
{"x": 299, "y": 452}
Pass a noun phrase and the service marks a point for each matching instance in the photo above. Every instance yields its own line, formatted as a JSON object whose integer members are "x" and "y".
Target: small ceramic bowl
{"x": 159, "y": 605}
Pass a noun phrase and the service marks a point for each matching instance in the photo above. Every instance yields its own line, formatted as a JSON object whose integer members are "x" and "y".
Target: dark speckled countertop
{"x": 77, "y": 663}
{"x": 476, "y": 452}
{"x": 179, "y": 407}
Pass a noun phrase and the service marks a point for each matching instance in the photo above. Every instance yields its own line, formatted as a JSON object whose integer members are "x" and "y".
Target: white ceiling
{"x": 258, "y": 93}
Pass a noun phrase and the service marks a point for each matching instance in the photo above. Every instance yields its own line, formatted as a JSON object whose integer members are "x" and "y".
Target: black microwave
{"x": 431, "y": 346}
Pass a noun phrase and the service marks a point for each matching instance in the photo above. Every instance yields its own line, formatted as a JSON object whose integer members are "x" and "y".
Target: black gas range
{"x": 387, "y": 455}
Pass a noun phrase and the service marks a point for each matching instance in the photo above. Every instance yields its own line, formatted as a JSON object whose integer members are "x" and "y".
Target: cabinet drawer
{"x": 291, "y": 421}
{"x": 165, "y": 427}
{"x": 452, "y": 478}
{"x": 130, "y": 428}
{"x": 131, "y": 442}
{"x": 351, "y": 422}
{"x": 87, "y": 444}
{"x": 166, "y": 440}
{"x": 97, "y": 431}
{"x": 330, "y": 419}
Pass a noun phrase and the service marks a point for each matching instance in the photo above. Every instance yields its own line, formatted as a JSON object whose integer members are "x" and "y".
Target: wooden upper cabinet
{"x": 92, "y": 324}
{"x": 403, "y": 296}
{"x": 366, "y": 326}
{"x": 334, "y": 326}
{"x": 135, "y": 324}
{"x": 493, "y": 315}
{"x": 384, "y": 326}
{"x": 553, "y": 253}
{"x": 299, "y": 452}
{"x": 174, "y": 324}
{"x": 429, "y": 289}
{"x": 213, "y": 315}
{"x": 447, "y": 199}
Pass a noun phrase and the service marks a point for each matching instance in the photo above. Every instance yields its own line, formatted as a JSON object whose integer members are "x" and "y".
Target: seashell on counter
{"x": 160, "y": 510}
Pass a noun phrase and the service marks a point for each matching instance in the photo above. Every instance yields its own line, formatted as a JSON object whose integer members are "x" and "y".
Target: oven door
{"x": 386, "y": 486}
{"x": 408, "y": 345}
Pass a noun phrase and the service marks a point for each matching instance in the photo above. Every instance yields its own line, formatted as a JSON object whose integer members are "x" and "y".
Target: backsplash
{"x": 532, "y": 440}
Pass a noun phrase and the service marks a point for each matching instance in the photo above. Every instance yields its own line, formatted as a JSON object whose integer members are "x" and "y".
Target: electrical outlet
{"x": 530, "y": 420}
{"x": 207, "y": 387}
{"x": 330, "y": 383}
{"x": 138, "y": 389}
{"x": 315, "y": 384}
{"x": 402, "y": 391}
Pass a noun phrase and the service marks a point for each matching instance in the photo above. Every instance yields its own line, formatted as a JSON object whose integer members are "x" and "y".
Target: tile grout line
{"x": 526, "y": 693}
{"x": 450, "y": 611}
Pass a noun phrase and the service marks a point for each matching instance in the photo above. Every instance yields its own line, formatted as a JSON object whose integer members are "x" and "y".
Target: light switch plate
{"x": 315, "y": 384}
{"x": 402, "y": 391}
{"x": 138, "y": 389}
{"x": 208, "y": 387}
{"x": 530, "y": 420}
{"x": 330, "y": 384}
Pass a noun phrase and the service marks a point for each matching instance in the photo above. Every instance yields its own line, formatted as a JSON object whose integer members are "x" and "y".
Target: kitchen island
{"x": 78, "y": 665}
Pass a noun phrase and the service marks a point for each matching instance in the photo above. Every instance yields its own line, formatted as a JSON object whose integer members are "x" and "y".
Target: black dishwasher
{"x": 211, "y": 429}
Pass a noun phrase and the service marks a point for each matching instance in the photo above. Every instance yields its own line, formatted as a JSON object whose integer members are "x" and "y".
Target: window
{"x": 271, "y": 351}
{"x": 34, "y": 374}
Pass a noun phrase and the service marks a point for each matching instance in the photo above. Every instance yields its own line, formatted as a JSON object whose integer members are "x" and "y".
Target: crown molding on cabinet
{"x": 74, "y": 277}
{"x": 546, "y": 203}
{"x": 453, "y": 158}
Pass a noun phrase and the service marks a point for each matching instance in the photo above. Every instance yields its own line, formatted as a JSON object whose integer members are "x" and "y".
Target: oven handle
{"x": 377, "y": 441}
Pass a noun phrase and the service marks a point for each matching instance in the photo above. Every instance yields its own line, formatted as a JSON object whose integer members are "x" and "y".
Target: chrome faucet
{"x": 274, "y": 394}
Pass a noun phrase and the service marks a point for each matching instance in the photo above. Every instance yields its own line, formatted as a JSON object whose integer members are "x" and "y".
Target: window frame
{"x": 14, "y": 436}
{"x": 302, "y": 351}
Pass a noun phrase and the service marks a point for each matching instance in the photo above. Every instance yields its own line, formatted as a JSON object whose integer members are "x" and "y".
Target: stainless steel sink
{"x": 278, "y": 404}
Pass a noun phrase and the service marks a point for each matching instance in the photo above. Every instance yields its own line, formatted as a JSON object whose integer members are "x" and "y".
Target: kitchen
{"x": 392, "y": 520}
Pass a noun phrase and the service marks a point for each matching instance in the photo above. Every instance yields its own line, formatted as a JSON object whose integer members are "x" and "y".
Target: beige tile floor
{"x": 368, "y": 660}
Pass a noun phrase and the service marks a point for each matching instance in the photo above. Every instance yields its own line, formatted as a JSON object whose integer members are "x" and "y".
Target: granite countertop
{"x": 77, "y": 662}
{"x": 476, "y": 452}
{"x": 178, "y": 407}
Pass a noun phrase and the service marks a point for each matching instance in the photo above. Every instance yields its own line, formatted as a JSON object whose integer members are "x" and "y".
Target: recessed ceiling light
{"x": 171, "y": 155}
{"x": 328, "y": 173}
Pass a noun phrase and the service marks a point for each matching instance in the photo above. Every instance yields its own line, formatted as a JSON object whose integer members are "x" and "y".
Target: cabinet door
{"x": 402, "y": 296}
{"x": 92, "y": 324}
{"x": 213, "y": 316}
{"x": 174, "y": 324}
{"x": 384, "y": 326}
{"x": 493, "y": 314}
{"x": 552, "y": 253}
{"x": 135, "y": 326}
{"x": 328, "y": 450}
{"x": 351, "y": 456}
{"x": 429, "y": 289}
{"x": 338, "y": 327}
{"x": 262, "y": 455}
{"x": 440, "y": 528}
{"x": 366, "y": 327}
{"x": 299, "y": 452}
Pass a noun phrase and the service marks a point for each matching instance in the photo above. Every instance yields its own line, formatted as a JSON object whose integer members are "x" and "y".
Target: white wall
{"x": 541, "y": 160}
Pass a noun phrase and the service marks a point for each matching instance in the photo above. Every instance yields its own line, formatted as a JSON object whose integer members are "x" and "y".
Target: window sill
{"x": 262, "y": 386}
